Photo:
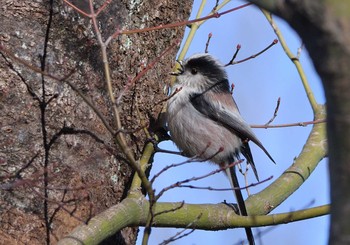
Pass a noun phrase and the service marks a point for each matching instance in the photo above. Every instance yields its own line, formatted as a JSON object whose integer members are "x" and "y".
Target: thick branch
{"x": 134, "y": 211}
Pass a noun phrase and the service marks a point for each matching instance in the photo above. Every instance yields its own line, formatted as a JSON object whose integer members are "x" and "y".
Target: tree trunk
{"x": 59, "y": 165}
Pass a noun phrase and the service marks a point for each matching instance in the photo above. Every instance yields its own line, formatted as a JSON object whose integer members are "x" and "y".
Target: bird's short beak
{"x": 180, "y": 70}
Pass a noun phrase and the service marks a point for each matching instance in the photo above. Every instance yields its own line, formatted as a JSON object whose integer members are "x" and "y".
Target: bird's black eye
{"x": 194, "y": 71}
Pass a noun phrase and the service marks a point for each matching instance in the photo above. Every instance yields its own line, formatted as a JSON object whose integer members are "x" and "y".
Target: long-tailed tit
{"x": 204, "y": 121}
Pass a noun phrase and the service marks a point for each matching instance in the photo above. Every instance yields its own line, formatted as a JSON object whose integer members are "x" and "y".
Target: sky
{"x": 258, "y": 83}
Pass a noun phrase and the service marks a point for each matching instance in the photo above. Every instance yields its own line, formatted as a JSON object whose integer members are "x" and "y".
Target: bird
{"x": 204, "y": 121}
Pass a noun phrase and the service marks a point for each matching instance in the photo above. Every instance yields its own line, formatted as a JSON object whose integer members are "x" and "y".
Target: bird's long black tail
{"x": 231, "y": 172}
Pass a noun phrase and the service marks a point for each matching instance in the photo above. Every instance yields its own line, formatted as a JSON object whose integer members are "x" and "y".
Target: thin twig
{"x": 196, "y": 158}
{"x": 299, "y": 124}
{"x": 225, "y": 189}
{"x": 275, "y": 113}
{"x": 169, "y": 97}
{"x": 149, "y": 66}
{"x": 170, "y": 210}
{"x": 238, "y": 47}
{"x": 254, "y": 55}
{"x": 208, "y": 41}
{"x": 179, "y": 183}
{"x": 216, "y": 6}
{"x": 178, "y": 235}
{"x": 178, "y": 24}
{"x": 166, "y": 168}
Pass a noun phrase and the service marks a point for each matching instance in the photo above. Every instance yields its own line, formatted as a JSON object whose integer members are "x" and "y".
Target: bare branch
{"x": 298, "y": 124}
{"x": 232, "y": 62}
{"x": 275, "y": 113}
{"x": 207, "y": 43}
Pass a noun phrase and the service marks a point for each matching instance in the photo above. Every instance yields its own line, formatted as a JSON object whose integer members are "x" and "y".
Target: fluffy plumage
{"x": 204, "y": 121}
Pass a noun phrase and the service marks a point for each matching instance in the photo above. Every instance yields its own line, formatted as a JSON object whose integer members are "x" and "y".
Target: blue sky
{"x": 258, "y": 84}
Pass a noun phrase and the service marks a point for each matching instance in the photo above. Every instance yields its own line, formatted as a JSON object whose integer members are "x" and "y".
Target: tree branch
{"x": 134, "y": 211}
{"x": 315, "y": 149}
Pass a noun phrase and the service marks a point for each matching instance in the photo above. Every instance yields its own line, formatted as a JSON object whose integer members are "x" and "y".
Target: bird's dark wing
{"x": 225, "y": 112}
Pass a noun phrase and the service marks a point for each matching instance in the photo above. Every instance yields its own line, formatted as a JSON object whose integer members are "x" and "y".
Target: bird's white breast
{"x": 196, "y": 134}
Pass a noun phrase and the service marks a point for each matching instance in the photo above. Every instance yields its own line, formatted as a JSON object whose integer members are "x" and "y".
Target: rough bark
{"x": 83, "y": 175}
